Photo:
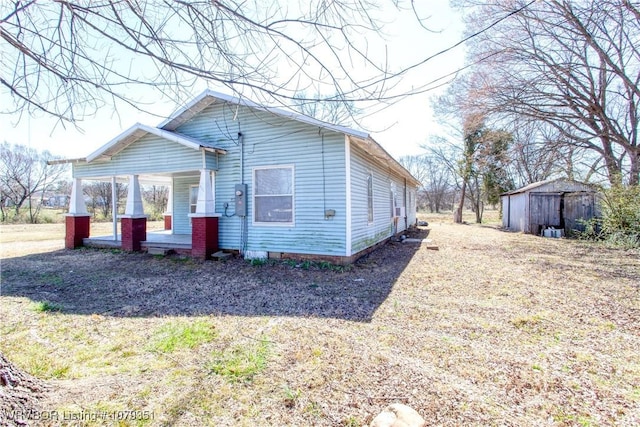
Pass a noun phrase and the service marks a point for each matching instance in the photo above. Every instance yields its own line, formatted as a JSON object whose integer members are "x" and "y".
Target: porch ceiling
{"x": 147, "y": 179}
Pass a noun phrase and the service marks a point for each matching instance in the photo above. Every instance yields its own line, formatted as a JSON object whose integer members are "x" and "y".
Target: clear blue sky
{"x": 400, "y": 128}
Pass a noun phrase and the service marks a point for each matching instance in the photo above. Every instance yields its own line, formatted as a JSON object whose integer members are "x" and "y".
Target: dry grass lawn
{"x": 25, "y": 239}
{"x": 494, "y": 328}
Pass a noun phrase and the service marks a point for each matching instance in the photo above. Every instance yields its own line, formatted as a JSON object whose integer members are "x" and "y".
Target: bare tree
{"x": 25, "y": 177}
{"x": 100, "y": 196}
{"x": 434, "y": 177}
{"x": 156, "y": 196}
{"x": 69, "y": 57}
{"x": 536, "y": 154}
{"x": 572, "y": 65}
{"x": 331, "y": 109}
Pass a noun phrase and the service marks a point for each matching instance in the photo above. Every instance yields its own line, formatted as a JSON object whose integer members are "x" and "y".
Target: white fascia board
{"x": 91, "y": 157}
{"x": 184, "y": 110}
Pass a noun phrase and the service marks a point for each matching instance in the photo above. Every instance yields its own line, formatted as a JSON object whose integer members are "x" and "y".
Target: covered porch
{"x": 143, "y": 155}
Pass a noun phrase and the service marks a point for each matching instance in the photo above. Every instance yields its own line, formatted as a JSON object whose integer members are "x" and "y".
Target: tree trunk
{"x": 614, "y": 171}
{"x": 634, "y": 171}
{"x": 457, "y": 215}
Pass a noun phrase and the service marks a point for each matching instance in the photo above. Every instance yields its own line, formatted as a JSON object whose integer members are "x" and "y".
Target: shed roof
{"x": 554, "y": 185}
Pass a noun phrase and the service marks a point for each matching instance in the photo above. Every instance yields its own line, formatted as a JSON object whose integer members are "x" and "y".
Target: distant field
{"x": 494, "y": 328}
{"x": 489, "y": 217}
{"x": 23, "y": 239}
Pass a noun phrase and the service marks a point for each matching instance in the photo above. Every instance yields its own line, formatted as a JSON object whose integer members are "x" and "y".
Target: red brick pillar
{"x": 167, "y": 221}
{"x": 76, "y": 228}
{"x": 204, "y": 236}
{"x": 134, "y": 231}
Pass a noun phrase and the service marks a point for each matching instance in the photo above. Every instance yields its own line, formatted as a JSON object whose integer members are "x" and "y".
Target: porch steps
{"x": 153, "y": 250}
{"x": 162, "y": 245}
{"x": 221, "y": 256}
{"x": 101, "y": 243}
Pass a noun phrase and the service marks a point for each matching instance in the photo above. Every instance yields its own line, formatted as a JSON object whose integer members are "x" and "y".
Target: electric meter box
{"x": 241, "y": 199}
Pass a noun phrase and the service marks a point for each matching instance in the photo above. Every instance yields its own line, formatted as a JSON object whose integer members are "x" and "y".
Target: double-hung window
{"x": 273, "y": 195}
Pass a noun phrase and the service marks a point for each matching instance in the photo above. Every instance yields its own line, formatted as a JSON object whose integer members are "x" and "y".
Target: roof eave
{"x": 377, "y": 152}
{"x": 66, "y": 161}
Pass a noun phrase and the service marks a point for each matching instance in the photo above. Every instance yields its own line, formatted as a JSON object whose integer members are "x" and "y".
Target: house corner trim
{"x": 347, "y": 165}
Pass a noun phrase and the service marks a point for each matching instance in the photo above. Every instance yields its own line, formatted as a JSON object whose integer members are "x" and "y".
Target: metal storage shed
{"x": 559, "y": 203}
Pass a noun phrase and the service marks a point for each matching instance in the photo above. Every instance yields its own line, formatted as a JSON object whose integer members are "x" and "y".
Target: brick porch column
{"x": 204, "y": 236}
{"x": 134, "y": 232}
{"x": 204, "y": 222}
{"x": 77, "y": 221}
{"x": 167, "y": 220}
{"x": 168, "y": 214}
{"x": 134, "y": 222}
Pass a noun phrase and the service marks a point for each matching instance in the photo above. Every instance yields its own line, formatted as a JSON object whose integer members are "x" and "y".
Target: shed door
{"x": 578, "y": 207}
{"x": 545, "y": 211}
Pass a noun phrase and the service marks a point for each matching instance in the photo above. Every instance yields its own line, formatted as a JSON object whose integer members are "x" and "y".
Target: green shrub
{"x": 258, "y": 262}
{"x": 619, "y": 221}
{"x": 621, "y": 215}
{"x": 46, "y": 306}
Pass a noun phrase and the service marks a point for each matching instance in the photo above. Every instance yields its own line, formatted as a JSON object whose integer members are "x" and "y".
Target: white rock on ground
{"x": 398, "y": 415}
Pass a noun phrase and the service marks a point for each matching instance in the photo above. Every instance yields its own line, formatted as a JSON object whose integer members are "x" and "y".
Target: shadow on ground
{"x": 112, "y": 283}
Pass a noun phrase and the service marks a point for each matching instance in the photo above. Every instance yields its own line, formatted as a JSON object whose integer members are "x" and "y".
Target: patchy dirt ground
{"x": 494, "y": 328}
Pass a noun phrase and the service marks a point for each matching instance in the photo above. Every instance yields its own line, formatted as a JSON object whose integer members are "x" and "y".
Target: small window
{"x": 273, "y": 195}
{"x": 392, "y": 199}
{"x": 370, "y": 198}
{"x": 193, "y": 198}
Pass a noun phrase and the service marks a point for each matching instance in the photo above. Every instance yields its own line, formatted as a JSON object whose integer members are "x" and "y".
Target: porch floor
{"x": 156, "y": 239}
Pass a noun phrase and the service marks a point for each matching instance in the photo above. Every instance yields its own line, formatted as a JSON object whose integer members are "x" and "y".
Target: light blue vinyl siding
{"x": 181, "y": 220}
{"x": 211, "y": 160}
{"x": 271, "y": 140}
{"x": 364, "y": 233}
{"x": 149, "y": 154}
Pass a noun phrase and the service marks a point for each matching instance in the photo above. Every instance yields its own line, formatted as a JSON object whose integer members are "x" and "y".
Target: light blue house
{"x": 271, "y": 183}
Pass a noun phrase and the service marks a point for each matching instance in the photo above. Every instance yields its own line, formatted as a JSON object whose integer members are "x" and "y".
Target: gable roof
{"x": 139, "y": 130}
{"x": 209, "y": 97}
{"x": 361, "y": 139}
{"x": 166, "y": 130}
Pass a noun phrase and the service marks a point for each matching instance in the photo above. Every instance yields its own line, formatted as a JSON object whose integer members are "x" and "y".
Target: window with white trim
{"x": 370, "y": 198}
{"x": 273, "y": 195}
{"x": 193, "y": 198}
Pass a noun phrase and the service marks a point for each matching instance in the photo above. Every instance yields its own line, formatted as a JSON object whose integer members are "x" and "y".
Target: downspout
{"x": 241, "y": 142}
{"x": 244, "y": 232}
{"x": 404, "y": 203}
